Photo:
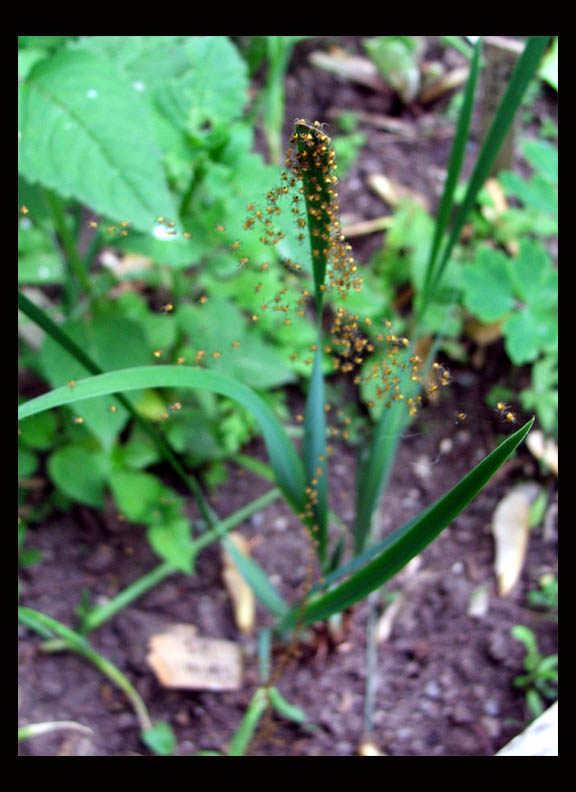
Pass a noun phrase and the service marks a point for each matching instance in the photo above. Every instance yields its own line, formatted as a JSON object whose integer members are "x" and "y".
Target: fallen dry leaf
{"x": 364, "y": 227}
{"x": 183, "y": 660}
{"x": 379, "y": 121}
{"x": 540, "y": 738}
{"x": 387, "y": 621}
{"x": 125, "y": 265}
{"x": 511, "y": 531}
{"x": 349, "y": 67}
{"x": 241, "y": 594}
{"x": 454, "y": 79}
{"x": 478, "y": 603}
{"x": 369, "y": 749}
{"x": 394, "y": 193}
{"x": 544, "y": 449}
{"x": 499, "y": 203}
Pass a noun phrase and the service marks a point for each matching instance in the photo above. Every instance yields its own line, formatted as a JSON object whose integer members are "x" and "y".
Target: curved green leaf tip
{"x": 409, "y": 540}
{"x": 285, "y": 461}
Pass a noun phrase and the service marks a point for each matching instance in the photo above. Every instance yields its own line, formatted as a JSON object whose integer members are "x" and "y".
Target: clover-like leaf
{"x": 488, "y": 291}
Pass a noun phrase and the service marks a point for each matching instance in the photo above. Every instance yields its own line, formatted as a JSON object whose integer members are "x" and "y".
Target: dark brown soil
{"x": 443, "y": 681}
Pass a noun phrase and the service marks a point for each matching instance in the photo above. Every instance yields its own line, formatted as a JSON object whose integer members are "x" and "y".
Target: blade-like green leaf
{"x": 257, "y": 579}
{"x": 381, "y": 456}
{"x": 315, "y": 160}
{"x": 410, "y": 540}
{"x": 374, "y": 470}
{"x": 314, "y": 449}
{"x": 49, "y": 628}
{"x": 283, "y": 457}
{"x": 454, "y": 168}
{"x": 523, "y": 73}
{"x": 284, "y": 707}
{"x": 316, "y": 165}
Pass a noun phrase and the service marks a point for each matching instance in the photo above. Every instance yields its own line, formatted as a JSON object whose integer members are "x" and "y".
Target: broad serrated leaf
{"x": 113, "y": 342}
{"x": 40, "y": 431}
{"x": 80, "y": 474}
{"x": 525, "y": 334}
{"x": 27, "y": 462}
{"x": 171, "y": 540}
{"x": 537, "y": 192}
{"x": 85, "y": 132}
{"x": 241, "y": 353}
{"x": 127, "y": 51}
{"x": 258, "y": 364}
{"x": 488, "y": 292}
{"x": 193, "y": 80}
{"x": 44, "y": 42}
{"x": 38, "y": 262}
{"x": 535, "y": 279}
{"x": 215, "y": 88}
{"x": 543, "y": 157}
{"x": 136, "y": 493}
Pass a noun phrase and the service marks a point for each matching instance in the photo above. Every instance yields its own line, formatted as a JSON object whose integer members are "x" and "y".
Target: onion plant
{"x": 345, "y": 575}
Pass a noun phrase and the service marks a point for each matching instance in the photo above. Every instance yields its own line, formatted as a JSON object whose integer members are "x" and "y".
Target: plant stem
{"x": 74, "y": 259}
{"x": 98, "y": 616}
{"x": 245, "y": 732}
{"x": 371, "y": 662}
{"x": 68, "y": 639}
{"x": 36, "y": 729}
{"x": 95, "y": 618}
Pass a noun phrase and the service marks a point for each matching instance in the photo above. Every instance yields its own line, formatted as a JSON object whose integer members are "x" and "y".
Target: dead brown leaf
{"x": 511, "y": 531}
{"x": 454, "y": 79}
{"x": 241, "y": 594}
{"x": 544, "y": 449}
{"x": 394, "y": 193}
{"x": 349, "y": 67}
{"x": 183, "y": 660}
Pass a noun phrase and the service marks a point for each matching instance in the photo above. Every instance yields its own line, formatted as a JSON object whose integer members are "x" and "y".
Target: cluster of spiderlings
{"x": 312, "y": 495}
{"x": 505, "y": 412}
{"x": 111, "y": 231}
{"x": 312, "y": 163}
{"x": 308, "y": 186}
{"x": 438, "y": 377}
{"x": 351, "y": 346}
{"x": 164, "y": 229}
{"x": 263, "y": 220}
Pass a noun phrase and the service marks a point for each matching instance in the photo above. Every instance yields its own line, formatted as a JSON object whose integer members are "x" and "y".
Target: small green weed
{"x": 540, "y": 682}
{"x": 546, "y": 596}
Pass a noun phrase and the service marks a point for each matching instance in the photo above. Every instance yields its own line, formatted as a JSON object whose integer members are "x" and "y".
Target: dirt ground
{"x": 443, "y": 680}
